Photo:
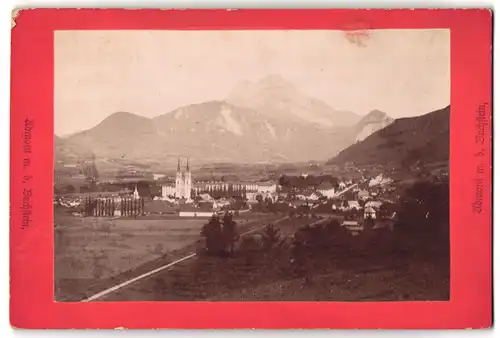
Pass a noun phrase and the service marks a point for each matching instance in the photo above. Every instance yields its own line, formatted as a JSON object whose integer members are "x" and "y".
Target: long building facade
{"x": 185, "y": 188}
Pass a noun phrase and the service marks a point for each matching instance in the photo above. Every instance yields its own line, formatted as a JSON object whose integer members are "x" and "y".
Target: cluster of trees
{"x": 267, "y": 205}
{"x": 106, "y": 207}
{"x": 220, "y": 235}
{"x": 425, "y": 204}
{"x": 261, "y": 242}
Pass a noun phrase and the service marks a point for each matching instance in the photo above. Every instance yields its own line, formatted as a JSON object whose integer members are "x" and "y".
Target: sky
{"x": 149, "y": 73}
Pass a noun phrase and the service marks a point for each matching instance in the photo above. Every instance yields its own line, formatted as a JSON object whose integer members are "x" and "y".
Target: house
{"x": 168, "y": 190}
{"x": 314, "y": 196}
{"x": 301, "y": 197}
{"x": 370, "y": 213}
{"x": 337, "y": 205}
{"x": 283, "y": 195}
{"x": 379, "y": 180}
{"x": 363, "y": 195}
{"x": 158, "y": 176}
{"x": 326, "y": 189}
{"x": 206, "y": 197}
{"x": 373, "y": 204}
{"x": 251, "y": 196}
{"x": 220, "y": 204}
{"x": 205, "y": 214}
{"x": 353, "y": 205}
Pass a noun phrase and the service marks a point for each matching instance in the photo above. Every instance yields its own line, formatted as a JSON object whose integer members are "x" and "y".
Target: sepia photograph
{"x": 251, "y": 165}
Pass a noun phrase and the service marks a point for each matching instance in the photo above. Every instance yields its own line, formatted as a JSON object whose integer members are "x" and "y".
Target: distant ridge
{"x": 404, "y": 142}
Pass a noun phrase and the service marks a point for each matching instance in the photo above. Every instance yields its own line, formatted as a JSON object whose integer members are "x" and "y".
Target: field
{"x": 91, "y": 252}
{"x": 383, "y": 267}
{"x": 95, "y": 254}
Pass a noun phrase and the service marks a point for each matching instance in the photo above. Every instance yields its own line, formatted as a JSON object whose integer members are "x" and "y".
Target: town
{"x": 355, "y": 200}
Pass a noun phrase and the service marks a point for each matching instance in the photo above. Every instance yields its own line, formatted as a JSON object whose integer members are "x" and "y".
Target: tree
{"x": 229, "y": 232}
{"x": 386, "y": 209}
{"x": 271, "y": 236}
{"x": 283, "y": 181}
{"x": 213, "y": 236}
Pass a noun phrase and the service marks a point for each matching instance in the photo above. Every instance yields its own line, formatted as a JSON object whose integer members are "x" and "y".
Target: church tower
{"x": 179, "y": 181}
{"x": 183, "y": 181}
{"x": 187, "y": 181}
{"x": 136, "y": 193}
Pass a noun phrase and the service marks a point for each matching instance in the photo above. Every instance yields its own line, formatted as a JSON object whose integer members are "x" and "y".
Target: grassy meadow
{"x": 91, "y": 251}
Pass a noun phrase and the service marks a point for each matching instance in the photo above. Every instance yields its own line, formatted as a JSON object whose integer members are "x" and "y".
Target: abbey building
{"x": 185, "y": 188}
{"x": 183, "y": 183}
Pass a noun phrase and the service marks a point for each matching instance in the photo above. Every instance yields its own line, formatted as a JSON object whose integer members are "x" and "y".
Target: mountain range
{"x": 266, "y": 121}
{"x": 278, "y": 98}
{"x": 406, "y": 141}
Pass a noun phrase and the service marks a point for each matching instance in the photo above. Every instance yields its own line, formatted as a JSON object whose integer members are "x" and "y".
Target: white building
{"x": 158, "y": 176}
{"x": 266, "y": 187}
{"x": 373, "y": 204}
{"x": 136, "y": 193}
{"x": 327, "y": 189}
{"x": 379, "y": 180}
{"x": 314, "y": 197}
{"x": 370, "y": 213}
{"x": 167, "y": 190}
{"x": 353, "y": 205}
{"x": 183, "y": 183}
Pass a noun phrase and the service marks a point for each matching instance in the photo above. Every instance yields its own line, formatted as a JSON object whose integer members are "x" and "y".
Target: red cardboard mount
{"x": 32, "y": 257}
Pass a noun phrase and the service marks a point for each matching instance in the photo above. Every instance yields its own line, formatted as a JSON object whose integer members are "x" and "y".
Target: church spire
{"x": 187, "y": 164}
{"x": 178, "y": 164}
{"x": 136, "y": 193}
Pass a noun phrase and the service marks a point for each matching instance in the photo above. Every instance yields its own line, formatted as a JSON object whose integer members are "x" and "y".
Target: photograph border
{"x": 32, "y": 302}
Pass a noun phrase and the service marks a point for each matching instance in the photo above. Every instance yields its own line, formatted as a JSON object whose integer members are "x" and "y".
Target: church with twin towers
{"x": 183, "y": 181}
{"x": 185, "y": 188}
